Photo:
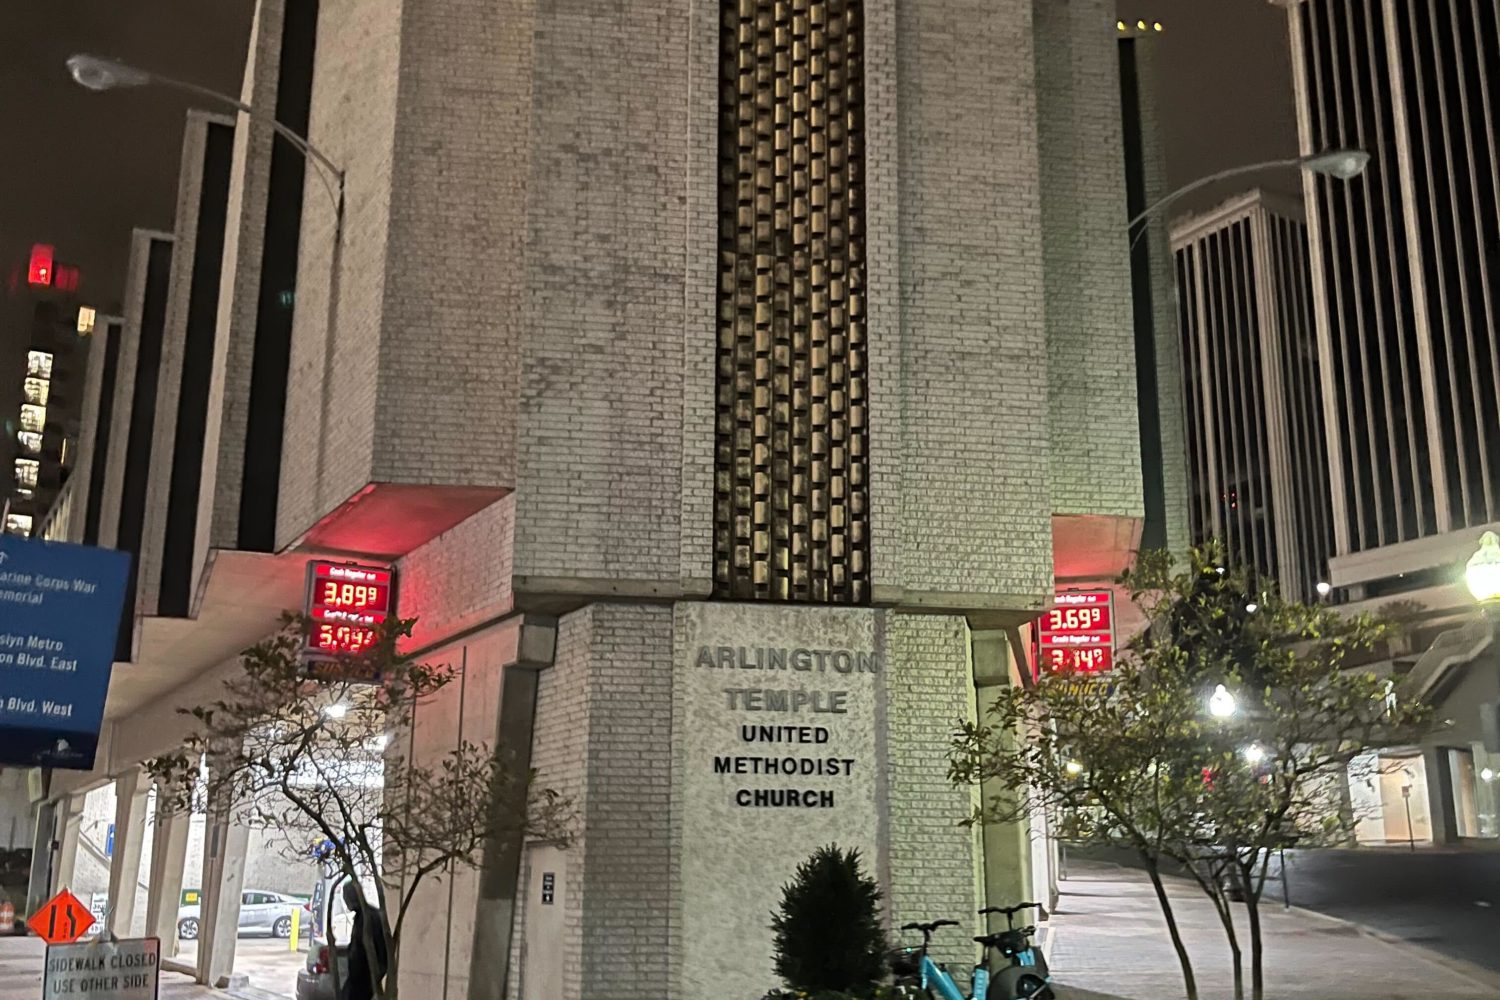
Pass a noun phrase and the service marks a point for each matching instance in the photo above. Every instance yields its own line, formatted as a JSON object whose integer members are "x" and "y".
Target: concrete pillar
{"x": 168, "y": 855}
{"x": 69, "y": 822}
{"x": 43, "y": 859}
{"x": 1007, "y": 846}
{"x": 494, "y": 917}
{"x": 1440, "y": 805}
{"x": 131, "y": 791}
{"x": 226, "y": 842}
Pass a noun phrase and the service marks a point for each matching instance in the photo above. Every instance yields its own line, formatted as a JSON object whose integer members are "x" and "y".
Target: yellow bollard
{"x": 296, "y": 928}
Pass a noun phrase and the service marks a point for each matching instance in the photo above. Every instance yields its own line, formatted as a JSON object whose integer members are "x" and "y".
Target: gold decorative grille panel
{"x": 791, "y": 488}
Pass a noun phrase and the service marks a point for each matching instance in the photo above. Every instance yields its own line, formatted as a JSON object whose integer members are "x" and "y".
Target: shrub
{"x": 828, "y": 933}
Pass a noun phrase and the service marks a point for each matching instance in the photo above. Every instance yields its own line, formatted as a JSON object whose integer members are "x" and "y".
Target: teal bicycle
{"x": 1025, "y": 978}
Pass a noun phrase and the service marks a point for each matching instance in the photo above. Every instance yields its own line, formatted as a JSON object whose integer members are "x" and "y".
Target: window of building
{"x": 18, "y": 524}
{"x": 30, "y": 441}
{"x": 36, "y": 390}
{"x": 1475, "y": 774}
{"x": 1388, "y": 793}
{"x": 39, "y": 364}
{"x": 33, "y": 418}
{"x": 26, "y": 472}
{"x": 85, "y": 320}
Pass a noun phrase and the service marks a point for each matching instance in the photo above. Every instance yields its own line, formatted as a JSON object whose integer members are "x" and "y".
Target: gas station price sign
{"x": 1078, "y": 635}
{"x": 347, "y": 603}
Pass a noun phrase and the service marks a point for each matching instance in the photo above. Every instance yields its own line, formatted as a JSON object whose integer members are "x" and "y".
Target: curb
{"x": 1476, "y": 974}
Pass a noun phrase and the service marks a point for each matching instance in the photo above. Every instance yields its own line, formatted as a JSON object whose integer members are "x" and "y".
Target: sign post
{"x": 60, "y": 609}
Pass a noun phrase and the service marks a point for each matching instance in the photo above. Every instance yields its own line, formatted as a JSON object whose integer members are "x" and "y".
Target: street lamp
{"x": 1340, "y": 164}
{"x": 1221, "y": 704}
{"x": 1482, "y": 574}
{"x": 99, "y": 74}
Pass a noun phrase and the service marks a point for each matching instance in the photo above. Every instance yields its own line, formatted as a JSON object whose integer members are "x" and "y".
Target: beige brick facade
{"x": 1095, "y": 460}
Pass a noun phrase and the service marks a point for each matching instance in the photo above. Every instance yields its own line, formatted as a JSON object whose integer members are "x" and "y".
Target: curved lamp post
{"x": 99, "y": 74}
{"x": 1341, "y": 164}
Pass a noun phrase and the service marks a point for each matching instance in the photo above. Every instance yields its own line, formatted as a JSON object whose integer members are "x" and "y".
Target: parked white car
{"x": 261, "y": 912}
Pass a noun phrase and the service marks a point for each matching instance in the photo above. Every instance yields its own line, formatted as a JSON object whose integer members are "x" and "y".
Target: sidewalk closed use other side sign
{"x": 103, "y": 970}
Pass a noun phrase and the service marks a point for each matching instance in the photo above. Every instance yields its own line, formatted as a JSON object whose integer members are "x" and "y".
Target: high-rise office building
{"x": 43, "y": 353}
{"x": 1406, "y": 264}
{"x": 1254, "y": 419}
{"x": 1406, "y": 297}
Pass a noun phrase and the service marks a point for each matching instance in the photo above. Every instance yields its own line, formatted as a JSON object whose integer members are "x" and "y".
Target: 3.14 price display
{"x": 347, "y": 603}
{"x": 1077, "y": 636}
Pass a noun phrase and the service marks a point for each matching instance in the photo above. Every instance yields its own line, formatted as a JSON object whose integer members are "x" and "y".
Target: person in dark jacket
{"x": 359, "y": 985}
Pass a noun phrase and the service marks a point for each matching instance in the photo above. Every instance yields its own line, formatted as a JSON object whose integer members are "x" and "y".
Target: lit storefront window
{"x": 85, "y": 320}
{"x": 1476, "y": 786}
{"x": 26, "y": 472}
{"x": 37, "y": 390}
{"x": 33, "y": 418}
{"x": 18, "y": 524}
{"x": 39, "y": 364}
{"x": 30, "y": 441}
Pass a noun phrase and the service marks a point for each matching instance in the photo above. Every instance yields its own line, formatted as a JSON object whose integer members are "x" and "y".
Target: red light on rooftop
{"x": 39, "y": 271}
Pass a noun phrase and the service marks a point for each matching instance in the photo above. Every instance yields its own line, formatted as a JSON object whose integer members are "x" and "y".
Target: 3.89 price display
{"x": 347, "y": 603}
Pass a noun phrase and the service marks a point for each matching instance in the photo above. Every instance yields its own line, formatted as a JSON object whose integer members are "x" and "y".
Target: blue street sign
{"x": 109, "y": 841}
{"x": 60, "y": 611}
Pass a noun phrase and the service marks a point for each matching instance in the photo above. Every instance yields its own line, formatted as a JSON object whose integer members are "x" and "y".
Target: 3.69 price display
{"x": 1077, "y": 636}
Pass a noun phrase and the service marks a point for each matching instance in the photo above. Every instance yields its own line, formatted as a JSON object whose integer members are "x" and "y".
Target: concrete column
{"x": 69, "y": 822}
{"x": 1440, "y": 805}
{"x": 1007, "y": 846}
{"x": 131, "y": 790}
{"x": 168, "y": 855}
{"x": 495, "y": 914}
{"x": 225, "y": 845}
{"x": 43, "y": 859}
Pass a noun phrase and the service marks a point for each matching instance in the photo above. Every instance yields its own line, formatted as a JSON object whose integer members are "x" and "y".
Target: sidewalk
{"x": 21, "y": 974}
{"x": 1110, "y": 941}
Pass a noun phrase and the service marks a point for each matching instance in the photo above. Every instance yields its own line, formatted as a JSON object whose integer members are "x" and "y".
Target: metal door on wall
{"x": 542, "y": 951}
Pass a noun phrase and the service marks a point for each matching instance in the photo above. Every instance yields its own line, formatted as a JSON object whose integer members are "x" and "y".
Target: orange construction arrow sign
{"x": 62, "y": 919}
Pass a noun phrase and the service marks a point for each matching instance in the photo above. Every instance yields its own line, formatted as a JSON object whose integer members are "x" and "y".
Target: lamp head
{"x": 96, "y": 73}
{"x": 1482, "y": 573}
{"x": 1222, "y": 704}
{"x": 1342, "y": 164}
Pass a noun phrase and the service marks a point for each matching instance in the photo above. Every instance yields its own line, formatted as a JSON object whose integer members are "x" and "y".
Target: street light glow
{"x": 1482, "y": 574}
{"x": 1255, "y": 753}
{"x": 337, "y": 710}
{"x": 105, "y": 74}
{"x": 1324, "y": 588}
{"x": 1073, "y": 767}
{"x": 1486, "y": 774}
{"x": 1221, "y": 704}
{"x": 1252, "y": 607}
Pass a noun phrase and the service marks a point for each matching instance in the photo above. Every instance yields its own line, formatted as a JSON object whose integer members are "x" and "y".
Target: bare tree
{"x": 315, "y": 749}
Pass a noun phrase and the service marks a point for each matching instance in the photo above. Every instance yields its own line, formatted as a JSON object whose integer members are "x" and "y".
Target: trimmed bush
{"x": 828, "y": 933}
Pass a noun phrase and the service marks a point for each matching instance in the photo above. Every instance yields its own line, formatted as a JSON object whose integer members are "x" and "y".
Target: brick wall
{"x": 962, "y": 387}
{"x": 461, "y": 578}
{"x": 1095, "y": 441}
{"x": 560, "y": 756}
{"x": 125, "y": 401}
{"x": 602, "y": 400}
{"x": 239, "y": 292}
{"x": 933, "y": 860}
{"x": 332, "y": 381}
{"x": 174, "y": 336}
{"x": 1164, "y": 302}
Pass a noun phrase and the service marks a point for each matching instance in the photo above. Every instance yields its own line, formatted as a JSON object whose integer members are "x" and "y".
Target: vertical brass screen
{"x": 791, "y": 488}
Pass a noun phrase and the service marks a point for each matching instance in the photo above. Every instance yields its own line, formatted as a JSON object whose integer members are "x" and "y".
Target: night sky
{"x": 79, "y": 169}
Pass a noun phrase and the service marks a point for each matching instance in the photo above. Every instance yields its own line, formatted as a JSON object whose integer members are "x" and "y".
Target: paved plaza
{"x": 1109, "y": 941}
